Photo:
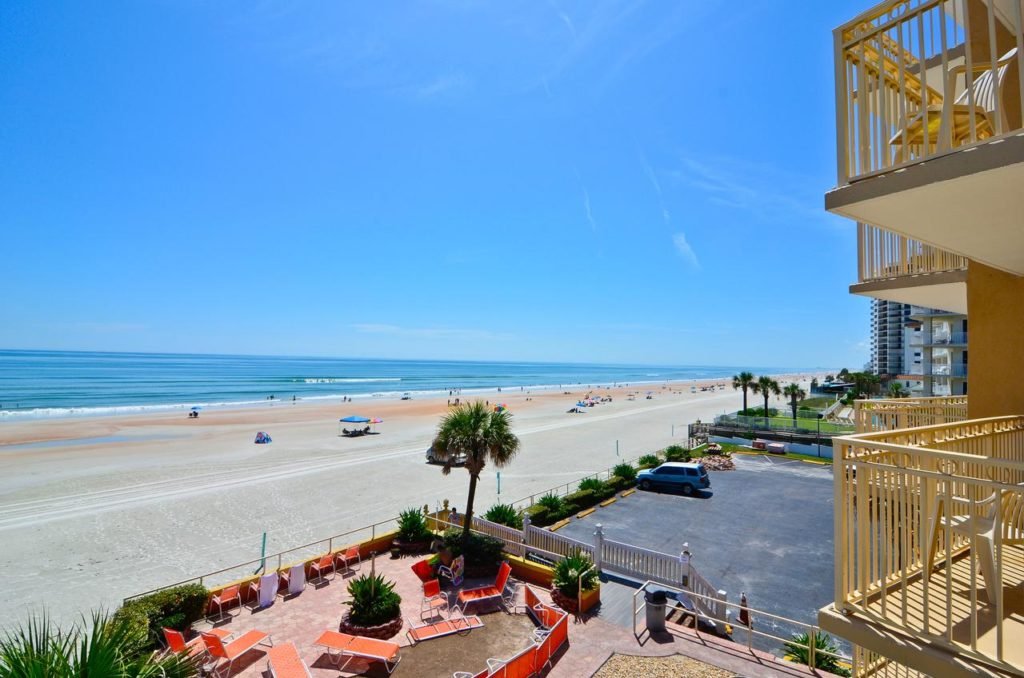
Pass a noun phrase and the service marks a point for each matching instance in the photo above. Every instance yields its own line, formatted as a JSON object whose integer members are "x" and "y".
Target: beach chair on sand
{"x": 233, "y": 650}
{"x": 359, "y": 646}
{"x": 321, "y": 566}
{"x": 176, "y": 641}
{"x": 349, "y": 556}
{"x": 496, "y": 592}
{"x": 294, "y": 579}
{"x": 229, "y": 594}
{"x": 283, "y": 661}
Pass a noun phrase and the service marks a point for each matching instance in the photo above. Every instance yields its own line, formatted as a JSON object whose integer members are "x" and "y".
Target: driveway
{"x": 764, "y": 528}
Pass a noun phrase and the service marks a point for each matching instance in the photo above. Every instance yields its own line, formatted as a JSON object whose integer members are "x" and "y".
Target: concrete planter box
{"x": 381, "y": 632}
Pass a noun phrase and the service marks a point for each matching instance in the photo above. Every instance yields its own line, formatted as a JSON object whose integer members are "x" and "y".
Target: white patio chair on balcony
{"x": 983, "y": 528}
{"x": 949, "y": 123}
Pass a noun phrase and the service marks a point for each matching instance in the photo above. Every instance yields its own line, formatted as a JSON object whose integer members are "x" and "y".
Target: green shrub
{"x": 504, "y": 514}
{"x": 591, "y": 484}
{"x": 648, "y": 461}
{"x": 617, "y": 484}
{"x": 796, "y": 650}
{"x": 412, "y": 526}
{"x": 479, "y": 549}
{"x": 573, "y": 572}
{"x": 758, "y": 412}
{"x": 677, "y": 453}
{"x": 176, "y": 608}
{"x": 577, "y": 501}
{"x": 374, "y": 600}
{"x": 624, "y": 471}
{"x": 540, "y": 515}
{"x": 552, "y": 501}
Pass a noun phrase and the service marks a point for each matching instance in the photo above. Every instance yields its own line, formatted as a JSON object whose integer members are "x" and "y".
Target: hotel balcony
{"x": 893, "y": 413}
{"x": 897, "y": 268}
{"x": 941, "y": 339}
{"x": 929, "y": 564}
{"x": 930, "y": 142}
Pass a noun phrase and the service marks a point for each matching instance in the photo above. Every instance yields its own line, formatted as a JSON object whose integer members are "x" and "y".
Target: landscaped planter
{"x": 412, "y": 546}
{"x": 591, "y": 599}
{"x": 478, "y": 570}
{"x": 380, "y": 632}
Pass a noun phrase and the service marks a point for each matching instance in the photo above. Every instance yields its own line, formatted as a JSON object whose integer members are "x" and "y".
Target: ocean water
{"x": 65, "y": 383}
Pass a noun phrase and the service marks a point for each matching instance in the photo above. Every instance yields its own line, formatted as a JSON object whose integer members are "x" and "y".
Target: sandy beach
{"x": 95, "y": 509}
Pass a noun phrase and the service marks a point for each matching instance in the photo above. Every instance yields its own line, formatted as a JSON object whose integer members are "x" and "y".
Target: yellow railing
{"x": 895, "y": 413}
{"x": 883, "y": 255}
{"x": 918, "y": 78}
{"x": 898, "y": 561}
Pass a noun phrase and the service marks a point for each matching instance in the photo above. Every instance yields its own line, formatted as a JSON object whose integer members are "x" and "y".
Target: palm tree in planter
{"x": 479, "y": 434}
{"x": 766, "y": 386}
{"x": 575, "y": 580}
{"x": 743, "y": 380}
{"x": 375, "y": 609}
{"x": 795, "y": 395}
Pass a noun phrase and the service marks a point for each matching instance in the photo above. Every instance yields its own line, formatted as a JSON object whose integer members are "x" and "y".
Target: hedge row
{"x": 175, "y": 608}
{"x": 551, "y": 512}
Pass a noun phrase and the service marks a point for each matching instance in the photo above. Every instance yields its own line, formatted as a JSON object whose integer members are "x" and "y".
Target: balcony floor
{"x": 960, "y": 618}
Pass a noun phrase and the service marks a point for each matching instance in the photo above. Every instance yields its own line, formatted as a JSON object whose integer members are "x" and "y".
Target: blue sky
{"x": 598, "y": 182}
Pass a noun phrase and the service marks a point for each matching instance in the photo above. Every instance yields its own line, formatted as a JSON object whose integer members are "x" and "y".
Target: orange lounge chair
{"x": 233, "y": 650}
{"x": 485, "y": 593}
{"x": 359, "y": 646}
{"x": 227, "y": 595}
{"x": 176, "y": 641}
{"x": 283, "y": 661}
{"x": 349, "y": 556}
{"x": 321, "y": 566}
{"x": 420, "y": 631}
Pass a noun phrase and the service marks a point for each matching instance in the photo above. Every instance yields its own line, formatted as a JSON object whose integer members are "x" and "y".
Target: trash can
{"x": 656, "y": 601}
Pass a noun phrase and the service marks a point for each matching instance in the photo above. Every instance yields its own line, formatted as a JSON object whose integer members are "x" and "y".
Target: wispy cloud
{"x": 684, "y": 249}
{"x": 436, "y": 333}
{"x": 761, "y": 189}
{"x": 587, "y": 210}
{"x": 666, "y": 216}
{"x": 441, "y": 85}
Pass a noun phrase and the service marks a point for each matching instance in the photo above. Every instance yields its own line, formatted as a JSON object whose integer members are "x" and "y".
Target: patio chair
{"x": 456, "y": 623}
{"x": 321, "y": 566}
{"x": 349, "y": 556}
{"x": 177, "y": 644}
{"x": 424, "y": 570}
{"x": 486, "y": 593}
{"x": 455, "y": 572}
{"x": 261, "y": 592}
{"x": 294, "y": 580}
{"x": 983, "y": 529}
{"x": 283, "y": 661}
{"x": 434, "y": 602}
{"x": 227, "y": 595}
{"x": 949, "y": 123}
{"x": 359, "y": 646}
{"x": 233, "y": 650}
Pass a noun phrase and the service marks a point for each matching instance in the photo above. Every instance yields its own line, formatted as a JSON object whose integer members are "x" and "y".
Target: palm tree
{"x": 896, "y": 390}
{"x": 795, "y": 395}
{"x": 476, "y": 432}
{"x": 798, "y": 651}
{"x": 766, "y": 386}
{"x": 743, "y": 380}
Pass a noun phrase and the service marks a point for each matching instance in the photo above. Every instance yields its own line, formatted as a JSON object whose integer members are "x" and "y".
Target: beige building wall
{"x": 995, "y": 305}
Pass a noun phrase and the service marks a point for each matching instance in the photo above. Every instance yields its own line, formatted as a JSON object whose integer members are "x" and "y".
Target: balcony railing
{"x": 940, "y": 339}
{"x": 898, "y": 559}
{"x": 883, "y": 255}
{"x": 895, "y": 413}
{"x": 919, "y": 78}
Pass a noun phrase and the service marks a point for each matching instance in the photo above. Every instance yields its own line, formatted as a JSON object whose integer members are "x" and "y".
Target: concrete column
{"x": 598, "y": 545}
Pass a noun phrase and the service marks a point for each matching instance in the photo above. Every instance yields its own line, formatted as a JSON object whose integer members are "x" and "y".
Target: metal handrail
{"x": 812, "y": 629}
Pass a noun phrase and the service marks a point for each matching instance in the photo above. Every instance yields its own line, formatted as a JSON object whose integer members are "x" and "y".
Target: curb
{"x": 608, "y": 502}
{"x": 628, "y": 492}
{"x": 560, "y": 524}
{"x": 586, "y": 512}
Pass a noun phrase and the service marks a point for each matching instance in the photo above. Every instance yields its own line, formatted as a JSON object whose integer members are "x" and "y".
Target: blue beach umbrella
{"x": 196, "y": 408}
{"x": 355, "y": 420}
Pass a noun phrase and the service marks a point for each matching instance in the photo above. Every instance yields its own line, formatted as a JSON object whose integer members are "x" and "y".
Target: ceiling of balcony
{"x": 946, "y": 291}
{"x": 970, "y": 202}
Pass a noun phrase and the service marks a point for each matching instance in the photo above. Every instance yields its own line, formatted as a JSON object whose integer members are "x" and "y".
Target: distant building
{"x": 888, "y": 322}
{"x": 935, "y": 353}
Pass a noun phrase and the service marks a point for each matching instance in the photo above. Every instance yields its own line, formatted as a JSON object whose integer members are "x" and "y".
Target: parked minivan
{"x": 685, "y": 476}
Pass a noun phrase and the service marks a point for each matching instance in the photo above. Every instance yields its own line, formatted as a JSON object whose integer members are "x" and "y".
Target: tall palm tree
{"x": 795, "y": 395}
{"x": 476, "y": 432}
{"x": 766, "y": 386}
{"x": 743, "y": 380}
{"x": 896, "y": 390}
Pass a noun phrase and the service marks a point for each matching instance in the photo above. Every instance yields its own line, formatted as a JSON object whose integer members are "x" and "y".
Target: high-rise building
{"x": 888, "y": 322}
{"x": 929, "y": 494}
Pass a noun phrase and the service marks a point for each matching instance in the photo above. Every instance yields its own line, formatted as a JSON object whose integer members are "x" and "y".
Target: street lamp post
{"x": 818, "y": 438}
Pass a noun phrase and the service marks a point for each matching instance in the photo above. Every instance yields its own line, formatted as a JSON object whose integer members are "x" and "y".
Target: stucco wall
{"x": 995, "y": 305}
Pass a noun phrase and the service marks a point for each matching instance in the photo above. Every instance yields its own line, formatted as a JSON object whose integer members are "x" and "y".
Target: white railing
{"x": 538, "y": 537}
{"x": 884, "y": 255}
{"x": 919, "y": 78}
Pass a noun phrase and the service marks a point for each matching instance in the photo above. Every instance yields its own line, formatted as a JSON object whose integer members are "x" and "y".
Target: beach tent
{"x": 262, "y": 438}
{"x": 352, "y": 419}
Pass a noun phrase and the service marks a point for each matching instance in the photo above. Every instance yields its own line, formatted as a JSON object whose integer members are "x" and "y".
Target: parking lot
{"x": 764, "y": 528}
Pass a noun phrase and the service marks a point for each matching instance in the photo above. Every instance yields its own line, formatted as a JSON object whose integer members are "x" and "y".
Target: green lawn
{"x": 817, "y": 403}
{"x": 698, "y": 452}
{"x": 786, "y": 421}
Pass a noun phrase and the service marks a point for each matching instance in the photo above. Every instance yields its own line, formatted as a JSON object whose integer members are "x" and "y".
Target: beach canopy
{"x": 196, "y": 408}
{"x": 581, "y": 404}
{"x": 355, "y": 420}
{"x": 262, "y": 438}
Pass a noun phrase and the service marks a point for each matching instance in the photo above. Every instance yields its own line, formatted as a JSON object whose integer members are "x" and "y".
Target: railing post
{"x": 810, "y": 647}
{"x": 721, "y": 610}
{"x": 526, "y": 531}
{"x": 598, "y": 546}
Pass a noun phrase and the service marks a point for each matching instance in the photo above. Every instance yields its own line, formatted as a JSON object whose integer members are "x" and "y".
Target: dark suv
{"x": 687, "y": 477}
